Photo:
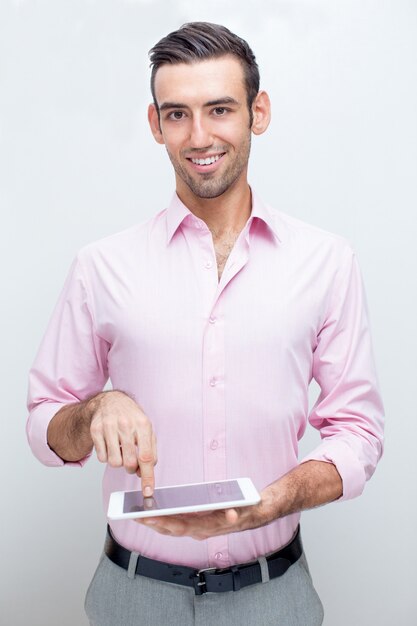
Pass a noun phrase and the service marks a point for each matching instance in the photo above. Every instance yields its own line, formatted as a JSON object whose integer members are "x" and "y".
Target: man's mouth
{"x": 207, "y": 160}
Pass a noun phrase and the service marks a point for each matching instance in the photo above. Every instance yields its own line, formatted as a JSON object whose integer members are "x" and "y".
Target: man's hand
{"x": 123, "y": 437}
{"x": 221, "y": 522}
{"x": 308, "y": 485}
{"x": 115, "y": 425}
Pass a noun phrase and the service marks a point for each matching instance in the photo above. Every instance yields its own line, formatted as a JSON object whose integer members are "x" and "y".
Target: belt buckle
{"x": 200, "y": 579}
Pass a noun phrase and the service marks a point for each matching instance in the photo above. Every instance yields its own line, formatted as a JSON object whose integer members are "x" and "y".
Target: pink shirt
{"x": 222, "y": 369}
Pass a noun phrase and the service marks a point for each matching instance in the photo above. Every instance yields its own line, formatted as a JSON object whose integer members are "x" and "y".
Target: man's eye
{"x": 176, "y": 115}
{"x": 220, "y": 111}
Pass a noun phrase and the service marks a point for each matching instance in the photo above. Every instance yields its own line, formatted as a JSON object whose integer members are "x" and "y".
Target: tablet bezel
{"x": 250, "y": 497}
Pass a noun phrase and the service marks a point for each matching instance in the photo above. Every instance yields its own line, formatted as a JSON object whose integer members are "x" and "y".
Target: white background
{"x": 77, "y": 162}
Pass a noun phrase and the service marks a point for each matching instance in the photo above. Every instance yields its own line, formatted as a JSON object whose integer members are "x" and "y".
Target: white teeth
{"x": 207, "y": 161}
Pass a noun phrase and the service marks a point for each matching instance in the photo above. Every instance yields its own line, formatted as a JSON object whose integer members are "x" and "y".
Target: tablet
{"x": 176, "y": 499}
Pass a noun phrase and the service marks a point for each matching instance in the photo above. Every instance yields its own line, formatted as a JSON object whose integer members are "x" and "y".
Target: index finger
{"x": 146, "y": 462}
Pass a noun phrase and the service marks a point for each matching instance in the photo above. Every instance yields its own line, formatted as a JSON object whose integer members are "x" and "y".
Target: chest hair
{"x": 223, "y": 245}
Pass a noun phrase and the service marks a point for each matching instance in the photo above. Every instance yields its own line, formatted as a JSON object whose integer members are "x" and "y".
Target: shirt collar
{"x": 177, "y": 213}
{"x": 269, "y": 217}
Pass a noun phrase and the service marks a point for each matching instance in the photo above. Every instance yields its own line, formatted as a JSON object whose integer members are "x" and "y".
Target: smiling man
{"x": 211, "y": 320}
{"x": 207, "y": 132}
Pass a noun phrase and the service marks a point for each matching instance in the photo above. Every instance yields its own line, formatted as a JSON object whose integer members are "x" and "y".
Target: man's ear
{"x": 153, "y": 119}
{"x": 261, "y": 110}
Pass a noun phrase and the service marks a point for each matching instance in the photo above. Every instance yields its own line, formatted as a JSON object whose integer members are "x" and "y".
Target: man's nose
{"x": 201, "y": 136}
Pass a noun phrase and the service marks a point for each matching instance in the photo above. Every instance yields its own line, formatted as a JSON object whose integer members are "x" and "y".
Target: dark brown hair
{"x": 197, "y": 41}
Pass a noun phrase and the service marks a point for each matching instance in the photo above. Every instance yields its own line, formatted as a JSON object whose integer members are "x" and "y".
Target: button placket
{"x": 214, "y": 412}
{"x": 214, "y": 416}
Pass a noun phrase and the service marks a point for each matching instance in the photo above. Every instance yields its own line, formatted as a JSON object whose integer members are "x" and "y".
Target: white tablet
{"x": 176, "y": 499}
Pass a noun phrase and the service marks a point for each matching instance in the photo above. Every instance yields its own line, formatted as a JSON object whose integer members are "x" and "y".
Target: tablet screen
{"x": 189, "y": 495}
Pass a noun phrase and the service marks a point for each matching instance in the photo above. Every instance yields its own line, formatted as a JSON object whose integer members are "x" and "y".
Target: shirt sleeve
{"x": 71, "y": 364}
{"x": 349, "y": 410}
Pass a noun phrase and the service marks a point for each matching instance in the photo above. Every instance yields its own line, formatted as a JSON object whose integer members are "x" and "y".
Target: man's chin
{"x": 209, "y": 192}
{"x": 209, "y": 195}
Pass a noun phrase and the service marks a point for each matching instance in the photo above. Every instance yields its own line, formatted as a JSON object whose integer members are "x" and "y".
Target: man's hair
{"x": 197, "y": 41}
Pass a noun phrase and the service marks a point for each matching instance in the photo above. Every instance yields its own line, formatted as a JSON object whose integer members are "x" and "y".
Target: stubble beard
{"x": 213, "y": 185}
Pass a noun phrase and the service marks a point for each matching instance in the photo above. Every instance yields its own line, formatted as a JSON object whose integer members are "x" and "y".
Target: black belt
{"x": 207, "y": 579}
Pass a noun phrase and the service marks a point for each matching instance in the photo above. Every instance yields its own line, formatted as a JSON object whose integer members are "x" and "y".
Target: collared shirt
{"x": 221, "y": 368}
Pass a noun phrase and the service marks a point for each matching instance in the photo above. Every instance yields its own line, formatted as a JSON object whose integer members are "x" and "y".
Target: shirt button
{"x": 218, "y": 556}
{"x": 214, "y": 444}
{"x": 212, "y": 319}
{"x": 213, "y": 382}
{"x": 208, "y": 264}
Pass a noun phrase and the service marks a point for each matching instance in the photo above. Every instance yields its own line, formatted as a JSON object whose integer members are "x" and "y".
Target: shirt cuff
{"x": 36, "y": 430}
{"x": 352, "y": 473}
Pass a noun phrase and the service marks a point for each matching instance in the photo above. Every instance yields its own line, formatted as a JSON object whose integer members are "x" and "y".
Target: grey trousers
{"x": 114, "y": 599}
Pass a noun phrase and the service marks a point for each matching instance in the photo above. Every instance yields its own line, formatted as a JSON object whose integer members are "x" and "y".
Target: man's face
{"x": 204, "y": 124}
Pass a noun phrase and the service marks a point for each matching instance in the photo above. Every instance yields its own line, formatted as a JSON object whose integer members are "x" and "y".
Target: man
{"x": 210, "y": 320}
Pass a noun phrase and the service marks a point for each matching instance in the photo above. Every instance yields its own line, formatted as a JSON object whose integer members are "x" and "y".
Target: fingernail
{"x": 147, "y": 492}
{"x": 149, "y": 522}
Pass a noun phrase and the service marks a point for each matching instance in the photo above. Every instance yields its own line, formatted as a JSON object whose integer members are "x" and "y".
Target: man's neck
{"x": 224, "y": 214}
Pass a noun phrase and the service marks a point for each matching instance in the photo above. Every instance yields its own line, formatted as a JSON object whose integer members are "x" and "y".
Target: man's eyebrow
{"x": 218, "y": 102}
{"x": 172, "y": 105}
